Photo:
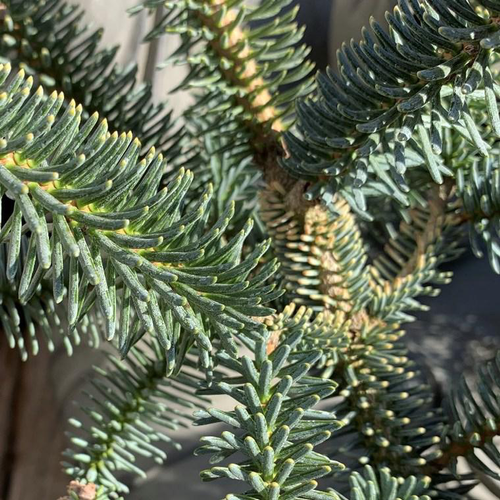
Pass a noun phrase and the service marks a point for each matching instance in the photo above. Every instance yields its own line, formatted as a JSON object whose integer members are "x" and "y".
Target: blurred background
{"x": 459, "y": 332}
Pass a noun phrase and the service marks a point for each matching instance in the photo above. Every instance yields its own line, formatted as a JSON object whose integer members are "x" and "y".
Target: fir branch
{"x": 475, "y": 422}
{"x": 276, "y": 424}
{"x": 409, "y": 108}
{"x": 409, "y": 265}
{"x": 325, "y": 265}
{"x": 381, "y": 485}
{"x": 321, "y": 253}
{"x": 478, "y": 191}
{"x": 235, "y": 182}
{"x": 160, "y": 260}
{"x": 130, "y": 401}
{"x": 388, "y": 410}
{"x": 434, "y": 62}
{"x": 239, "y": 67}
{"x": 50, "y": 42}
{"x": 27, "y": 318}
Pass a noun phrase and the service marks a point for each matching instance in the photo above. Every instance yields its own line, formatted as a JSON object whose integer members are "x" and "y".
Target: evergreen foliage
{"x": 406, "y": 89}
{"x": 48, "y": 40}
{"x": 369, "y": 486}
{"x": 102, "y": 199}
{"x": 277, "y": 424}
{"x": 123, "y": 225}
{"x": 38, "y": 315}
{"x": 137, "y": 398}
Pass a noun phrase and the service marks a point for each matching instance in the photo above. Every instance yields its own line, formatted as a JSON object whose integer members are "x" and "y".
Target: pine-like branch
{"x": 409, "y": 266}
{"x": 25, "y": 321}
{"x": 134, "y": 408}
{"x": 276, "y": 425}
{"x": 381, "y": 485}
{"x": 478, "y": 189}
{"x": 161, "y": 261}
{"x": 239, "y": 57}
{"x": 208, "y": 156}
{"x": 475, "y": 423}
{"x": 388, "y": 409}
{"x": 389, "y": 412}
{"x": 435, "y": 62}
{"x": 322, "y": 256}
{"x": 407, "y": 109}
{"x": 49, "y": 41}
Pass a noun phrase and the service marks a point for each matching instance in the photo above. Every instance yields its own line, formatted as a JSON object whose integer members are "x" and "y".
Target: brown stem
{"x": 463, "y": 448}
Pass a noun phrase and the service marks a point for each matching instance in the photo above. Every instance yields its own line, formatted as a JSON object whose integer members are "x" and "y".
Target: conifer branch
{"x": 30, "y": 316}
{"x": 409, "y": 265}
{"x": 134, "y": 399}
{"x": 382, "y": 485}
{"x": 241, "y": 68}
{"x": 474, "y": 423}
{"x": 480, "y": 197}
{"x": 387, "y": 409}
{"x": 404, "y": 123}
{"x": 49, "y": 41}
{"x": 435, "y": 61}
{"x": 322, "y": 254}
{"x": 276, "y": 423}
{"x": 161, "y": 261}
{"x": 230, "y": 43}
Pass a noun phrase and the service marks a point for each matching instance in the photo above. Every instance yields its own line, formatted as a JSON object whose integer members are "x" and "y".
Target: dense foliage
{"x": 267, "y": 246}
